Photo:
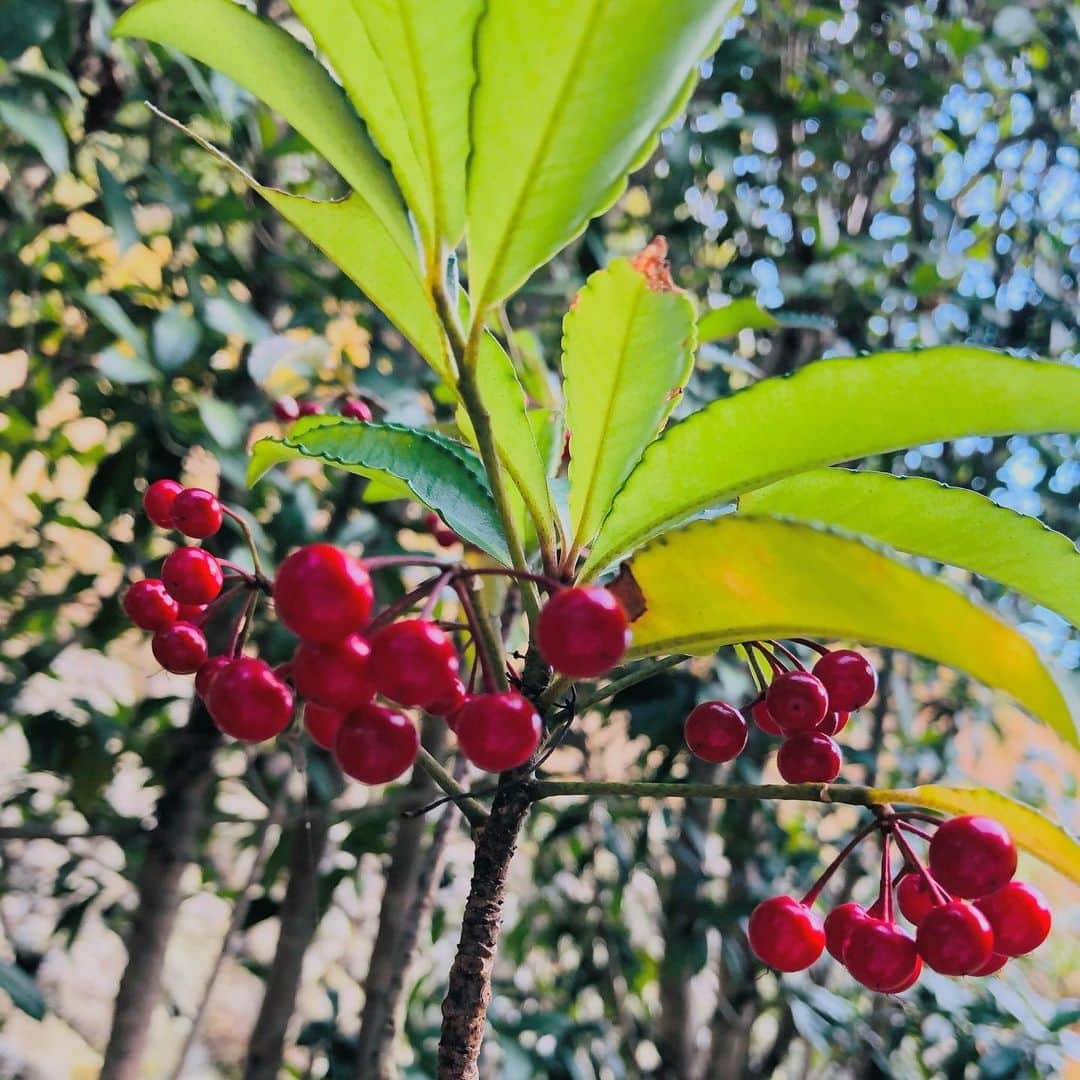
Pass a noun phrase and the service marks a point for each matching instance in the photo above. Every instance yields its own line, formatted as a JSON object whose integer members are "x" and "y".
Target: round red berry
{"x": 193, "y": 613}
{"x": 880, "y": 955}
{"x": 248, "y": 701}
{"x": 785, "y": 934}
{"x": 180, "y": 648}
{"x": 996, "y": 962}
{"x": 336, "y": 674}
{"x": 911, "y": 980}
{"x": 848, "y": 677}
{"x": 914, "y": 897}
{"x": 1019, "y": 915}
{"x": 376, "y": 745}
{"x": 498, "y": 731}
{"x": 715, "y": 731}
{"x": 759, "y": 713}
{"x": 197, "y": 513}
{"x": 322, "y": 593}
{"x": 149, "y": 606}
{"x": 450, "y": 702}
{"x": 413, "y": 661}
{"x": 310, "y": 408}
{"x": 955, "y": 938}
{"x": 839, "y": 924}
{"x": 356, "y": 409}
{"x": 797, "y": 700}
{"x": 158, "y": 501}
{"x": 582, "y": 631}
{"x": 972, "y": 856}
{"x": 811, "y": 757}
{"x": 445, "y": 537}
{"x": 192, "y": 575}
{"x": 204, "y": 677}
{"x": 834, "y": 723}
{"x": 323, "y": 724}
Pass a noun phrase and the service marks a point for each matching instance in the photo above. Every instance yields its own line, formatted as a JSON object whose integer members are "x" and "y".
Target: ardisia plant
{"x": 477, "y": 140}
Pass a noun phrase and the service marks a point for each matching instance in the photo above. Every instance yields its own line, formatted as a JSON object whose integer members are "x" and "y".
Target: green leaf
{"x": 24, "y": 24}
{"x": 569, "y": 100}
{"x": 627, "y": 353}
{"x": 278, "y": 70}
{"x": 725, "y": 322}
{"x": 950, "y": 525}
{"x": 222, "y": 421}
{"x": 117, "y": 209}
{"x": 443, "y": 474}
{"x": 39, "y": 128}
{"x": 176, "y": 336}
{"x": 121, "y": 367}
{"x": 1030, "y": 828}
{"x": 23, "y": 990}
{"x": 356, "y": 239}
{"x": 408, "y": 67}
{"x": 514, "y": 436}
{"x": 739, "y": 578}
{"x": 831, "y": 411}
{"x": 109, "y": 312}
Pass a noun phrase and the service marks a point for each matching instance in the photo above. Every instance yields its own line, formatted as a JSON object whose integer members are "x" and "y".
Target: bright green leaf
{"x": 741, "y": 578}
{"x": 569, "y": 100}
{"x": 724, "y": 322}
{"x": 408, "y": 66}
{"x": 627, "y": 353}
{"x": 832, "y": 411}
{"x": 1030, "y": 828}
{"x": 950, "y": 525}
{"x": 444, "y": 475}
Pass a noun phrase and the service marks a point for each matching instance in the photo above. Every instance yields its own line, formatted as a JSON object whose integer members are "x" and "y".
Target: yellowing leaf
{"x": 949, "y": 525}
{"x": 1030, "y": 829}
{"x": 741, "y": 578}
{"x": 831, "y": 411}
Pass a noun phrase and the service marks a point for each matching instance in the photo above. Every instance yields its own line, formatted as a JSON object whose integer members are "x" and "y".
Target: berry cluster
{"x": 355, "y": 669}
{"x": 968, "y": 914}
{"x": 287, "y": 409}
{"x": 804, "y": 708}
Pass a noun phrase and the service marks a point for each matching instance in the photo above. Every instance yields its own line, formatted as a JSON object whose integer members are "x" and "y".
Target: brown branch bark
{"x": 189, "y": 777}
{"x": 299, "y": 920}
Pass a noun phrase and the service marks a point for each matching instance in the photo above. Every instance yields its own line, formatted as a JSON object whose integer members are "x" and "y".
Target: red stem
{"x": 821, "y": 650}
{"x": 852, "y": 844}
{"x": 755, "y": 670}
{"x": 433, "y": 598}
{"x": 789, "y": 654}
{"x": 382, "y": 562}
{"x": 777, "y": 667}
{"x": 885, "y": 892}
{"x": 401, "y": 605}
{"x": 473, "y": 620}
{"x": 936, "y": 891}
{"x": 549, "y": 583}
{"x": 914, "y": 831}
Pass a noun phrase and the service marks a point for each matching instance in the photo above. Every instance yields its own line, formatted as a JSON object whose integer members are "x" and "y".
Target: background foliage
{"x": 870, "y": 175}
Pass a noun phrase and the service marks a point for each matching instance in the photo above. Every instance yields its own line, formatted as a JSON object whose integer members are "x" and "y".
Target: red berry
{"x": 355, "y": 409}
{"x": 972, "y": 856}
{"x": 914, "y": 897}
{"x": 193, "y": 613}
{"x": 158, "y": 501}
{"x": 322, "y": 593}
{"x": 413, "y": 662}
{"x": 839, "y": 924}
{"x": 204, "y": 677}
{"x": 445, "y": 537}
{"x": 797, "y": 700}
{"x": 197, "y": 513}
{"x": 498, "y": 731}
{"x": 996, "y": 962}
{"x": 715, "y": 731}
{"x": 180, "y": 648}
{"x": 582, "y": 631}
{"x": 450, "y": 702}
{"x": 955, "y": 938}
{"x": 761, "y": 716}
{"x": 310, "y": 408}
{"x": 192, "y": 575}
{"x": 286, "y": 409}
{"x": 811, "y": 757}
{"x": 248, "y": 701}
{"x": 337, "y": 674}
{"x": 880, "y": 955}
{"x": 323, "y": 724}
{"x": 848, "y": 677}
{"x": 1019, "y": 916}
{"x": 149, "y": 606}
{"x": 911, "y": 980}
{"x": 834, "y": 723}
{"x": 376, "y": 745}
{"x": 785, "y": 934}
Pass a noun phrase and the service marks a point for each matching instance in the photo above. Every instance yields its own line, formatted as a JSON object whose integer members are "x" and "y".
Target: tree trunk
{"x": 299, "y": 919}
{"x": 410, "y": 877}
{"x": 188, "y": 779}
{"x": 469, "y": 992}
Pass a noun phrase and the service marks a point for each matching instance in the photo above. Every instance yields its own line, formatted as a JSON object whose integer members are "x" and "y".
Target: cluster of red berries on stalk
{"x": 287, "y": 409}
{"x": 804, "y": 708}
{"x": 967, "y": 913}
{"x": 347, "y": 658}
